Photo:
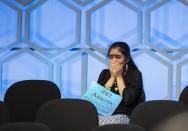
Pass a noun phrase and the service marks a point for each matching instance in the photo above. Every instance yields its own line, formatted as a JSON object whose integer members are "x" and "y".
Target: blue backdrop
{"x": 65, "y": 41}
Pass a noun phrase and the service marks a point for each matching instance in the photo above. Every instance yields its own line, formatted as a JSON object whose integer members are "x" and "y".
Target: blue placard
{"x": 104, "y": 100}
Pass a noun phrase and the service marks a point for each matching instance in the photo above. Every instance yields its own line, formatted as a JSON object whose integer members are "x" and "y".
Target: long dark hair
{"x": 125, "y": 50}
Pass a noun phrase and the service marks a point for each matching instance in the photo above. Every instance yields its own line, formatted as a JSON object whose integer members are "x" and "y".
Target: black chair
{"x": 184, "y": 96}
{"x": 24, "y": 98}
{"x": 68, "y": 115}
{"x": 151, "y": 113}
{"x": 4, "y": 114}
{"x": 119, "y": 127}
{"x": 24, "y": 126}
{"x": 175, "y": 123}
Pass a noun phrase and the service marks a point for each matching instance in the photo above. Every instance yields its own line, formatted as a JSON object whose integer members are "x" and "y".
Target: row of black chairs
{"x": 81, "y": 115}
{"x": 31, "y": 126}
{"x": 67, "y": 115}
{"x": 23, "y": 100}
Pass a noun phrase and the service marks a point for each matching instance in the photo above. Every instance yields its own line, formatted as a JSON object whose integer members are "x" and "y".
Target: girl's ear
{"x": 128, "y": 59}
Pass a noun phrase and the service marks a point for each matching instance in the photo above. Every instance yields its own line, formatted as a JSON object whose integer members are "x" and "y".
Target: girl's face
{"x": 115, "y": 56}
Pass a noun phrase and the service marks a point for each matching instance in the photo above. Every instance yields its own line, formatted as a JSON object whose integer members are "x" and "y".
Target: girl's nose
{"x": 114, "y": 60}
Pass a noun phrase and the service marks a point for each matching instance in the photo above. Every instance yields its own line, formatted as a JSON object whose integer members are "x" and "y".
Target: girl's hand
{"x": 111, "y": 68}
{"x": 116, "y": 69}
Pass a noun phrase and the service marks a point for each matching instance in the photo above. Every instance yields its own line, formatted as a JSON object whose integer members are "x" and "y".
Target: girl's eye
{"x": 116, "y": 56}
{"x": 111, "y": 56}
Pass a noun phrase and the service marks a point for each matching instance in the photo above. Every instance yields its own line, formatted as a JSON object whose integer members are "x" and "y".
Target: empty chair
{"x": 68, "y": 115}
{"x": 151, "y": 113}
{"x": 175, "y": 123}
{"x": 24, "y": 98}
{"x": 119, "y": 127}
{"x": 24, "y": 126}
{"x": 184, "y": 96}
{"x": 4, "y": 113}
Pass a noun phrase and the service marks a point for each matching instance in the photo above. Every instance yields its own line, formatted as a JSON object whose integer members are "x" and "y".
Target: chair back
{"x": 4, "y": 113}
{"x": 68, "y": 115}
{"x": 151, "y": 113}
{"x": 119, "y": 127}
{"x": 24, "y": 126}
{"x": 175, "y": 123}
{"x": 24, "y": 98}
{"x": 184, "y": 96}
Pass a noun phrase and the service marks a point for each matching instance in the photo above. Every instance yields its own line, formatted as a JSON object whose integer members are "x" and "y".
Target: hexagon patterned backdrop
{"x": 66, "y": 41}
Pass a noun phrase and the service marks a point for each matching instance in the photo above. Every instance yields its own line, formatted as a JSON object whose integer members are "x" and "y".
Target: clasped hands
{"x": 116, "y": 69}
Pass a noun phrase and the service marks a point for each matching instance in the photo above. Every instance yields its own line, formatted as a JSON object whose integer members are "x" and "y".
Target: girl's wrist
{"x": 112, "y": 77}
{"x": 120, "y": 77}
